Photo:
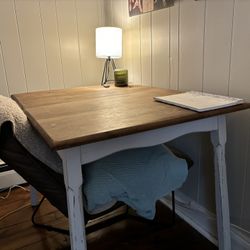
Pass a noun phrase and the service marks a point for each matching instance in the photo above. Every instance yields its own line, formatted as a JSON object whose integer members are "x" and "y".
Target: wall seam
{"x": 4, "y": 68}
{"x": 123, "y": 32}
{"x": 112, "y": 11}
{"x": 140, "y": 52}
{"x": 179, "y": 44}
{"x": 230, "y": 51}
{"x": 78, "y": 41}
{"x": 203, "y": 50}
{"x": 201, "y": 143}
{"x": 20, "y": 45}
{"x": 169, "y": 48}
{"x": 44, "y": 47}
{"x": 101, "y": 16}
{"x": 151, "y": 51}
{"x": 244, "y": 180}
{"x": 60, "y": 45}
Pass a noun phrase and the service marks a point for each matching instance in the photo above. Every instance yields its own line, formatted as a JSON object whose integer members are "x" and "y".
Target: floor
{"x": 17, "y": 232}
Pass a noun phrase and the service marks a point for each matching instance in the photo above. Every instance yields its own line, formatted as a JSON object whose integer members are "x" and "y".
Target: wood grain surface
{"x": 18, "y": 232}
{"x": 75, "y": 116}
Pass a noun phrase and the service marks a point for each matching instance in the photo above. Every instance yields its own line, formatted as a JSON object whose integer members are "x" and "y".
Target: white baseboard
{"x": 10, "y": 178}
{"x": 205, "y": 222}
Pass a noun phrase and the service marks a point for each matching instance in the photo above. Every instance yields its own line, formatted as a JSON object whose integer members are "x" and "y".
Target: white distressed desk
{"x": 85, "y": 124}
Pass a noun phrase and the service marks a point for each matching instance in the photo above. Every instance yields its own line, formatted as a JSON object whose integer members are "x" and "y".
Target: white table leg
{"x": 218, "y": 139}
{"x": 73, "y": 182}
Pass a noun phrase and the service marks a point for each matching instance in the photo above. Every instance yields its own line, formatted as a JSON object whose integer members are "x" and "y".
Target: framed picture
{"x": 137, "y": 7}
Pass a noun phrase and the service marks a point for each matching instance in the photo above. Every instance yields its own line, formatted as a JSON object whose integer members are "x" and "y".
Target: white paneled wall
{"x": 32, "y": 44}
{"x": 89, "y": 16}
{"x": 217, "y": 49}
{"x": 160, "y": 49}
{"x": 12, "y": 55}
{"x": 191, "y": 39}
{"x": 174, "y": 46}
{"x": 146, "y": 49}
{"x": 3, "y": 87}
{"x": 239, "y": 85}
{"x": 199, "y": 45}
{"x": 48, "y": 44}
{"x": 52, "y": 49}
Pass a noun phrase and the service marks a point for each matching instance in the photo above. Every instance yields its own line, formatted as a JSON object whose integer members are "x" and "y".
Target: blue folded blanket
{"x": 138, "y": 177}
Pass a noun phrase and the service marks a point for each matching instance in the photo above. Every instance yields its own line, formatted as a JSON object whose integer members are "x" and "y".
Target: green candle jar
{"x": 121, "y": 77}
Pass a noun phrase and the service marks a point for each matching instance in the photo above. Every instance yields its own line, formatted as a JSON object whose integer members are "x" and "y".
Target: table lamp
{"x": 108, "y": 46}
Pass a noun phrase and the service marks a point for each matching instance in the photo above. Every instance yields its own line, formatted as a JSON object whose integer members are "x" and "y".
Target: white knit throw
{"x": 26, "y": 135}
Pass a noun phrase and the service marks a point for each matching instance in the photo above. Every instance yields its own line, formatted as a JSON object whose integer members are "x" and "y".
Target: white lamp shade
{"x": 108, "y": 42}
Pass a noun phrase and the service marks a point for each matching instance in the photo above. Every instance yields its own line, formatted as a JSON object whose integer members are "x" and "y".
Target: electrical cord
{"x": 7, "y": 196}
{"x": 10, "y": 189}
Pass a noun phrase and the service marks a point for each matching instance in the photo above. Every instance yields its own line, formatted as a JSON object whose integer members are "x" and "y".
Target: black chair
{"x": 51, "y": 184}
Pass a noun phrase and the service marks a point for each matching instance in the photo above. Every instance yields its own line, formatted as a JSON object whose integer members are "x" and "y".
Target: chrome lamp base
{"x": 105, "y": 74}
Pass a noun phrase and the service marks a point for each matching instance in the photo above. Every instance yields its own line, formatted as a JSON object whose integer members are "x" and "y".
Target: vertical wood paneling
{"x": 160, "y": 48}
{"x": 29, "y": 23}
{"x": 239, "y": 175}
{"x": 101, "y": 14}
{"x": 118, "y": 21}
{"x": 146, "y": 49}
{"x": 68, "y": 32}
{"x": 203, "y": 56}
{"x": 118, "y": 16}
{"x": 245, "y": 216}
{"x": 128, "y": 47}
{"x": 236, "y": 155}
{"x": 91, "y": 66}
{"x": 11, "y": 50}
{"x": 108, "y": 12}
{"x": 52, "y": 44}
{"x": 3, "y": 80}
{"x": 125, "y": 17}
{"x": 131, "y": 58}
{"x": 191, "y": 44}
{"x": 218, "y": 32}
{"x": 174, "y": 45}
{"x": 191, "y": 35}
{"x": 30, "y": 44}
{"x": 217, "y": 47}
{"x": 240, "y": 73}
{"x": 133, "y": 47}
{"x": 41, "y": 43}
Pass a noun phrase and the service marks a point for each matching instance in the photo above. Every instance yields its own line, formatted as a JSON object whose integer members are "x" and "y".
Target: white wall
{"x": 48, "y": 44}
{"x": 200, "y": 45}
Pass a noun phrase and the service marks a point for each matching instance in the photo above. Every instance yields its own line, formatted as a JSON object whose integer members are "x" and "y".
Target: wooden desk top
{"x": 71, "y": 117}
